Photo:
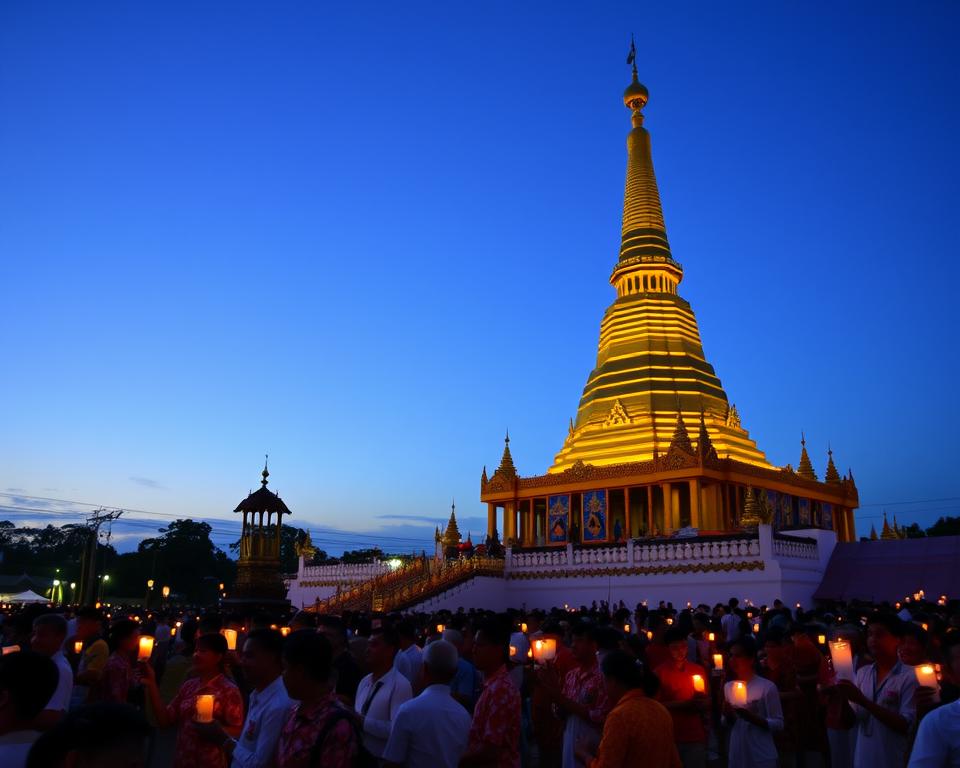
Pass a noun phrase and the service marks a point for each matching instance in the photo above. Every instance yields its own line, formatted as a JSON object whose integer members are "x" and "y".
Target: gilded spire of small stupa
{"x": 805, "y": 469}
{"x": 897, "y": 530}
{"x": 751, "y": 509}
{"x": 887, "y": 532}
{"x": 266, "y": 472}
{"x": 873, "y": 532}
{"x": 506, "y": 468}
{"x": 704, "y": 444}
{"x": 451, "y": 536}
{"x": 832, "y": 475}
{"x": 681, "y": 439}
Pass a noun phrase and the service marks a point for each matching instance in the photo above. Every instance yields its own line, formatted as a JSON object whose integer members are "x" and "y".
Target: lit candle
{"x": 529, "y": 653}
{"x": 78, "y": 647}
{"x": 146, "y": 647}
{"x": 626, "y": 628}
{"x": 10, "y": 649}
{"x": 231, "y": 635}
{"x": 926, "y": 676}
{"x": 439, "y": 629}
{"x": 544, "y": 649}
{"x": 669, "y": 621}
{"x": 513, "y": 651}
{"x": 699, "y": 686}
{"x": 738, "y": 694}
{"x": 523, "y": 627}
{"x": 756, "y": 628}
{"x": 173, "y": 631}
{"x": 284, "y": 631}
{"x": 822, "y": 639}
{"x": 925, "y": 626}
{"x": 711, "y": 636}
{"x": 718, "y": 661}
{"x": 649, "y": 635}
{"x": 205, "y": 708}
{"x": 842, "y": 658}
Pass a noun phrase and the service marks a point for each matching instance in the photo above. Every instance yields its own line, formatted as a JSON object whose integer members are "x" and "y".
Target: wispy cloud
{"x": 147, "y": 482}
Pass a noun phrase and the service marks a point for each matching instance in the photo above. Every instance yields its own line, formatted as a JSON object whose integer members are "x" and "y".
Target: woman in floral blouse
{"x": 191, "y": 750}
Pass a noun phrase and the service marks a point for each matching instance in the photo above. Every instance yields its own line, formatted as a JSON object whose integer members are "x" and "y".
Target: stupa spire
{"x": 681, "y": 438}
{"x": 832, "y": 476}
{"x": 805, "y": 468}
{"x": 887, "y": 532}
{"x": 507, "y": 467}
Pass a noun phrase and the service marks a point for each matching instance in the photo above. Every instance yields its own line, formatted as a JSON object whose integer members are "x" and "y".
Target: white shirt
{"x": 429, "y": 731}
{"x": 60, "y": 700}
{"x": 751, "y": 745}
{"x": 938, "y": 740}
{"x": 730, "y": 624}
{"x": 15, "y": 746}
{"x": 267, "y": 712}
{"x": 162, "y": 633}
{"x": 877, "y": 745}
{"x": 385, "y": 697}
{"x": 409, "y": 663}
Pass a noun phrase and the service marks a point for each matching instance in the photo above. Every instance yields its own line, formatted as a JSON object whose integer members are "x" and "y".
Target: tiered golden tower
{"x": 628, "y": 467}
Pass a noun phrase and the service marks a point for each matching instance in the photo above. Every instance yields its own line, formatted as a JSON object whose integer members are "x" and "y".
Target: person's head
{"x": 584, "y": 647}
{"x": 89, "y": 623}
{"x": 331, "y": 627}
{"x": 732, "y": 604}
{"x": 406, "y": 633}
{"x": 914, "y": 645}
{"x": 491, "y": 646}
{"x": 102, "y": 735}
{"x": 208, "y": 654}
{"x": 622, "y": 673}
{"x": 676, "y": 642}
{"x": 439, "y": 663}
{"x": 381, "y": 649}
{"x": 743, "y": 658}
{"x": 49, "y": 632}
{"x": 302, "y": 620}
{"x": 454, "y": 637}
{"x": 884, "y": 631}
{"x": 773, "y": 646}
{"x": 260, "y": 657}
{"x": 210, "y": 624}
{"x": 124, "y": 637}
{"x": 307, "y": 661}
{"x": 27, "y": 681}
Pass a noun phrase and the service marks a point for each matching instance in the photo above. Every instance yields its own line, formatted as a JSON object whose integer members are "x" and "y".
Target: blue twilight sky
{"x": 368, "y": 237}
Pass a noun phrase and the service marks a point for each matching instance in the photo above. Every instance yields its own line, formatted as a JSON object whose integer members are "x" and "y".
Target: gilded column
{"x": 695, "y": 503}
{"x": 667, "y": 508}
{"x": 649, "y": 510}
{"x": 628, "y": 534}
{"x": 491, "y": 520}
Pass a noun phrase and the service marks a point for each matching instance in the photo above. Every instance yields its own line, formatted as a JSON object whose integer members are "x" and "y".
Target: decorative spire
{"x": 887, "y": 533}
{"x": 805, "y": 469}
{"x": 483, "y": 477}
{"x": 451, "y": 536}
{"x": 266, "y": 472}
{"x": 506, "y": 468}
{"x": 832, "y": 476}
{"x": 897, "y": 530}
{"x": 681, "y": 439}
{"x": 873, "y": 532}
{"x": 704, "y": 445}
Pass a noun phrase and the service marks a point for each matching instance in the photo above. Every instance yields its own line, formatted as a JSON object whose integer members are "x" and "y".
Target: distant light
{"x": 395, "y": 563}
{"x": 56, "y": 582}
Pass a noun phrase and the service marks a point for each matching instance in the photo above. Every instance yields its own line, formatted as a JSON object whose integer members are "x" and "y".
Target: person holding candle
{"x": 882, "y": 698}
{"x": 94, "y": 654}
{"x": 49, "y": 632}
{"x": 687, "y": 706}
{"x": 547, "y": 729}
{"x": 938, "y": 739}
{"x": 752, "y": 704}
{"x": 580, "y": 697}
{"x": 119, "y": 676}
{"x": 191, "y": 748}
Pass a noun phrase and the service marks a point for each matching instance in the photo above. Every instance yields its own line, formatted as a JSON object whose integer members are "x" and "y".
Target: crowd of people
{"x": 598, "y": 686}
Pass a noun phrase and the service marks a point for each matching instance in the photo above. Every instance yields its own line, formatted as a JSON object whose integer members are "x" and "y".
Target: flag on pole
{"x": 632, "y": 56}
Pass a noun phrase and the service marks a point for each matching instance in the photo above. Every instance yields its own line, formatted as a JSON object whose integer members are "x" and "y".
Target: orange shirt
{"x": 638, "y": 731}
{"x": 677, "y": 685}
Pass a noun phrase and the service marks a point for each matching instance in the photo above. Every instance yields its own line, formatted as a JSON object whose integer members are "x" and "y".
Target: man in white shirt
{"x": 49, "y": 632}
{"x": 267, "y": 709}
{"x": 938, "y": 740}
{"x": 380, "y": 693}
{"x": 730, "y": 621}
{"x": 27, "y": 680}
{"x": 431, "y": 730}
{"x": 408, "y": 659}
{"x": 882, "y": 698}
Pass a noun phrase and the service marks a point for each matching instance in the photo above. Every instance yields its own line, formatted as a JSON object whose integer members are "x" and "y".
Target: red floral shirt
{"x": 496, "y": 720}
{"x": 305, "y": 725}
{"x": 585, "y": 686}
{"x": 192, "y": 751}
{"x": 117, "y": 679}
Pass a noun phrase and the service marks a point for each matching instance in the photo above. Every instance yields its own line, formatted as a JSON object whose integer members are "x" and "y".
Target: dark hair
{"x": 405, "y": 630}
{"x": 91, "y": 730}
{"x": 586, "y": 630}
{"x": 310, "y": 650}
{"x": 892, "y": 624}
{"x": 216, "y": 643}
{"x": 496, "y": 632}
{"x": 120, "y": 631}
{"x": 607, "y": 638}
{"x": 31, "y": 679}
{"x": 746, "y": 644}
{"x": 775, "y": 635}
{"x": 210, "y": 623}
{"x": 626, "y": 670}
{"x": 915, "y": 630}
{"x": 53, "y": 620}
{"x": 89, "y": 613}
{"x": 389, "y": 634}
{"x": 267, "y": 640}
{"x": 304, "y": 619}
{"x": 674, "y": 635}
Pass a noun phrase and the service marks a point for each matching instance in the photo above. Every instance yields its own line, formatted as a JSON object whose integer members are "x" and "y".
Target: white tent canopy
{"x": 27, "y": 597}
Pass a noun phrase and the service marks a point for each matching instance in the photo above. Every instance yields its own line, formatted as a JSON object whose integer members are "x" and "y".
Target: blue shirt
{"x": 466, "y": 682}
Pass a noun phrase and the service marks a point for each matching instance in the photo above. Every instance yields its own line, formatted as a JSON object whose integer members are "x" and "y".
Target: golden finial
{"x": 636, "y": 95}
{"x": 266, "y": 473}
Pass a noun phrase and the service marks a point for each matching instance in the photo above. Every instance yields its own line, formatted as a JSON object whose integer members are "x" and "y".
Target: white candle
{"x": 523, "y": 627}
{"x": 146, "y": 648}
{"x": 718, "y": 661}
{"x": 513, "y": 651}
{"x": 927, "y": 677}
{"x": 231, "y": 635}
{"x": 10, "y": 649}
{"x": 78, "y": 647}
{"x": 284, "y": 631}
{"x": 699, "y": 686}
{"x": 626, "y": 628}
{"x": 544, "y": 649}
{"x": 711, "y": 637}
{"x": 205, "y": 708}
{"x": 842, "y": 658}
{"x": 439, "y": 629}
{"x": 738, "y": 694}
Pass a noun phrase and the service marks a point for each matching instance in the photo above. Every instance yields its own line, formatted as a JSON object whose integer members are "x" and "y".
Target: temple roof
{"x": 262, "y": 499}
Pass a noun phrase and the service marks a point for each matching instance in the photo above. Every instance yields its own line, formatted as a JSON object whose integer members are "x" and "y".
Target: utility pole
{"x": 88, "y": 582}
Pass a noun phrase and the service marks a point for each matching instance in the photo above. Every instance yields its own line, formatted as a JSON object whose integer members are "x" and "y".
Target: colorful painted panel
{"x": 558, "y": 517}
{"x": 785, "y": 507}
{"x": 804, "y": 515}
{"x": 595, "y": 516}
{"x": 771, "y": 508}
{"x": 827, "y": 516}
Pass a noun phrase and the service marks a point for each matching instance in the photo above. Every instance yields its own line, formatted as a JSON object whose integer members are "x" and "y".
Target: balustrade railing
{"x": 792, "y": 546}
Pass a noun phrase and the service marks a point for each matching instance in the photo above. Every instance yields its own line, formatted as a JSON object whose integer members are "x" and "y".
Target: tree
{"x": 913, "y": 531}
{"x": 362, "y": 555}
{"x": 945, "y": 526}
{"x": 184, "y": 558}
